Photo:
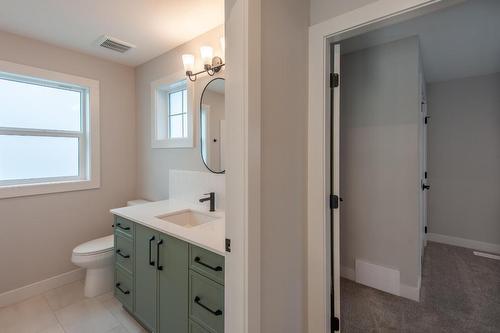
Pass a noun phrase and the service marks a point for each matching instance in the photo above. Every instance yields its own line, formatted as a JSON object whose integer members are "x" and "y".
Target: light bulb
{"x": 188, "y": 61}
{"x": 207, "y": 53}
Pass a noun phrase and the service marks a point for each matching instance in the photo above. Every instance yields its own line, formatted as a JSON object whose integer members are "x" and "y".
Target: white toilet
{"x": 97, "y": 257}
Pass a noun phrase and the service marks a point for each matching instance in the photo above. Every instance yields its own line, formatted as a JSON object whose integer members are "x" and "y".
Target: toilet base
{"x": 98, "y": 281}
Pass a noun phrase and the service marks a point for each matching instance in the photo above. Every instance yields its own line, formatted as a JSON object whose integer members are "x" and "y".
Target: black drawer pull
{"x": 197, "y": 300}
{"x": 119, "y": 225}
{"x": 217, "y": 269}
{"x": 119, "y": 252}
{"x": 151, "y": 262}
{"x": 126, "y": 292}
{"x": 158, "y": 266}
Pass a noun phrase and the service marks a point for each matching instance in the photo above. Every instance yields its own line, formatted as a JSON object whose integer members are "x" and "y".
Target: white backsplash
{"x": 190, "y": 186}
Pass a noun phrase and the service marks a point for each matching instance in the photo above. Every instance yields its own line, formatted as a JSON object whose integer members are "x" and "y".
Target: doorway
{"x": 336, "y": 31}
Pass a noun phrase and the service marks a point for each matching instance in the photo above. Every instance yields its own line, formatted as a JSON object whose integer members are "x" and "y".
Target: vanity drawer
{"x": 124, "y": 227}
{"x": 207, "y": 263}
{"x": 195, "y": 328}
{"x": 124, "y": 288}
{"x": 124, "y": 252}
{"x": 206, "y": 305}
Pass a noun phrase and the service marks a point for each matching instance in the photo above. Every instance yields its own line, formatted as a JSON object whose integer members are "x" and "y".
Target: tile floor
{"x": 66, "y": 310}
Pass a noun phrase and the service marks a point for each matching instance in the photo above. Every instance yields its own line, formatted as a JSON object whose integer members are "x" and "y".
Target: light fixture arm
{"x": 211, "y": 70}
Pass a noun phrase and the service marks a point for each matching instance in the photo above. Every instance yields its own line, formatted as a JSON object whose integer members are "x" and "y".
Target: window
{"x": 172, "y": 115}
{"x": 177, "y": 114}
{"x": 48, "y": 131}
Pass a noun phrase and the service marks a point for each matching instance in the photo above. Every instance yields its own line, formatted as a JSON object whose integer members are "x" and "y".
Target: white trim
{"x": 92, "y": 176}
{"x": 410, "y": 292}
{"x": 163, "y": 84}
{"x": 377, "y": 276}
{"x": 317, "y": 204}
{"x": 462, "y": 242}
{"x": 37, "y": 288}
{"x": 243, "y": 159}
{"x": 486, "y": 255}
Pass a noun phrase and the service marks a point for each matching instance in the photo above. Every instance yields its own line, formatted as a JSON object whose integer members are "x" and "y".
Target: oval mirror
{"x": 212, "y": 125}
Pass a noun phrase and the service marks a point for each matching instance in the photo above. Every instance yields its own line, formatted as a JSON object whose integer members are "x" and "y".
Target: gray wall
{"x": 38, "y": 233}
{"x": 322, "y": 10}
{"x": 464, "y": 158}
{"x": 284, "y": 162}
{"x": 154, "y": 164}
{"x": 379, "y": 158}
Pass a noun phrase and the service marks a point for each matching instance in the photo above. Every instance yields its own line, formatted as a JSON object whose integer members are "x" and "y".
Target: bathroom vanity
{"x": 169, "y": 266}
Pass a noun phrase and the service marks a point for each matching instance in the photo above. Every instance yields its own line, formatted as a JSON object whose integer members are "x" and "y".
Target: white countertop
{"x": 210, "y": 235}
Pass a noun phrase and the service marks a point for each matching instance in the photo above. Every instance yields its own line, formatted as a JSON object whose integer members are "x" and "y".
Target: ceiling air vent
{"x": 115, "y": 44}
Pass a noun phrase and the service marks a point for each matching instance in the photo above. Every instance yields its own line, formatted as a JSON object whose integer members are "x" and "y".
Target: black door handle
{"x": 197, "y": 300}
{"x": 425, "y": 187}
{"x": 119, "y": 252}
{"x": 126, "y": 292}
{"x": 151, "y": 262}
{"x": 158, "y": 266}
{"x": 217, "y": 268}
{"x": 119, "y": 225}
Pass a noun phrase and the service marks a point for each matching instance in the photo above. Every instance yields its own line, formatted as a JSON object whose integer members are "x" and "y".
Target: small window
{"x": 45, "y": 131}
{"x": 171, "y": 114}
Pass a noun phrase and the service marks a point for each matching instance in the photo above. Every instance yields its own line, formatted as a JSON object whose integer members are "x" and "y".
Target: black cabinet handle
{"x": 119, "y": 225}
{"x": 119, "y": 252}
{"x": 151, "y": 261}
{"x": 217, "y": 269}
{"x": 126, "y": 292}
{"x": 158, "y": 266}
{"x": 197, "y": 300}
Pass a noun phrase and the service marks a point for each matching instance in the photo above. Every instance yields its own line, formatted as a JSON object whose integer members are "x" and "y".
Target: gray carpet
{"x": 460, "y": 293}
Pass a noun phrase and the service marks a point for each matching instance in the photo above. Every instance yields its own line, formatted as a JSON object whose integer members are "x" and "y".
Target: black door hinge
{"x": 335, "y": 324}
{"x": 426, "y": 119}
{"x": 425, "y": 175}
{"x": 334, "y": 201}
{"x": 425, "y": 229}
{"x": 228, "y": 245}
{"x": 334, "y": 80}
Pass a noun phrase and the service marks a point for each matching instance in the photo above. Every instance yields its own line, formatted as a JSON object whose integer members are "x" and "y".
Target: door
{"x": 335, "y": 79}
{"x": 423, "y": 169}
{"x": 173, "y": 284}
{"x": 145, "y": 275}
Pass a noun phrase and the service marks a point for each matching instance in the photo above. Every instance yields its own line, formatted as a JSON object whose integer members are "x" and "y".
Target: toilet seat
{"x": 94, "y": 247}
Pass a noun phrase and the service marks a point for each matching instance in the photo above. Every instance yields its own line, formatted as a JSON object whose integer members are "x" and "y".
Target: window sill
{"x": 173, "y": 143}
{"x": 12, "y": 191}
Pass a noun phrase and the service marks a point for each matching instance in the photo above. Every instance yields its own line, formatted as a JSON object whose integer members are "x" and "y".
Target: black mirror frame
{"x": 201, "y": 105}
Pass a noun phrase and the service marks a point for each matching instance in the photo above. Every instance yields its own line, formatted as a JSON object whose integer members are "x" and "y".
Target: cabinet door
{"x": 173, "y": 285}
{"x": 146, "y": 275}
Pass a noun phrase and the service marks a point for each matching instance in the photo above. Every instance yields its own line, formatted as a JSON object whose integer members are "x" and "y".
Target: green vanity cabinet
{"x": 167, "y": 284}
{"x": 146, "y": 275}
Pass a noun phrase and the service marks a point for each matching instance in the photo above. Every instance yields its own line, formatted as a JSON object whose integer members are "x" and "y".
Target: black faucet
{"x": 211, "y": 197}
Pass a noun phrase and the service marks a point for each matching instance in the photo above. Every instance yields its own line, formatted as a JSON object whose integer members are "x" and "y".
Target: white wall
{"x": 154, "y": 164}
{"x": 38, "y": 233}
{"x": 322, "y": 10}
{"x": 284, "y": 158}
{"x": 379, "y": 158}
{"x": 464, "y": 158}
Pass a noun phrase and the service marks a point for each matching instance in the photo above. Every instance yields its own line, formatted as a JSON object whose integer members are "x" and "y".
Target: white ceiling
{"x": 154, "y": 26}
{"x": 456, "y": 42}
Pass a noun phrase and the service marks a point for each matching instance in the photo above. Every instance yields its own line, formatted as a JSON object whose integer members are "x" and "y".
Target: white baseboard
{"x": 462, "y": 242}
{"x": 37, "y": 288}
{"x": 381, "y": 278}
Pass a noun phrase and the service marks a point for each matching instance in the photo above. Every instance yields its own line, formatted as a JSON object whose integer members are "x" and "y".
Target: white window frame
{"x": 89, "y": 136}
{"x": 160, "y": 90}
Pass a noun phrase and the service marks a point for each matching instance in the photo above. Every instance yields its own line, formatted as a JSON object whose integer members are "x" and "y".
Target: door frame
{"x": 321, "y": 35}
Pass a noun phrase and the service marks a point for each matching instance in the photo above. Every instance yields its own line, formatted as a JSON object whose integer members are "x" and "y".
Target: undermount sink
{"x": 187, "y": 218}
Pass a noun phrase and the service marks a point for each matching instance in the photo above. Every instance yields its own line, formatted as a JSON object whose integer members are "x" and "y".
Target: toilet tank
{"x": 137, "y": 202}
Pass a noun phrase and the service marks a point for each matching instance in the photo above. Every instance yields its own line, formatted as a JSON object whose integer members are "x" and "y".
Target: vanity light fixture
{"x": 211, "y": 64}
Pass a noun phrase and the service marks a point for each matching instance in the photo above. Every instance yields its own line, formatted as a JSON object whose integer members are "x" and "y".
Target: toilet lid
{"x": 95, "y": 246}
